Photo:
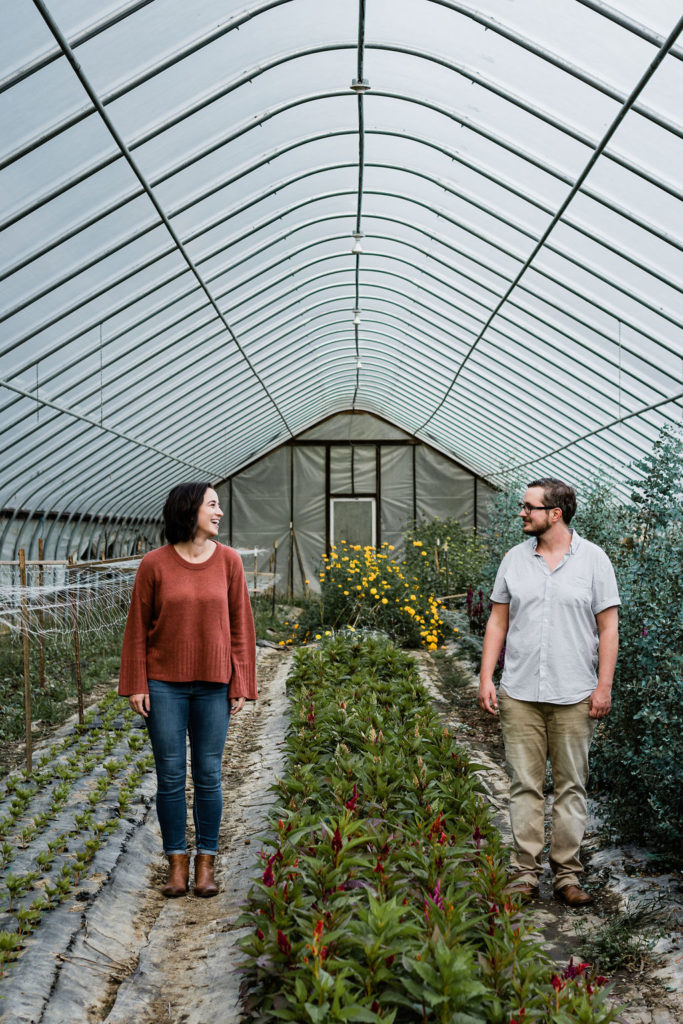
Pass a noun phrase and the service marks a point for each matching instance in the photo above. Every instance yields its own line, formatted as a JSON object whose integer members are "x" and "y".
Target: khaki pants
{"x": 531, "y": 732}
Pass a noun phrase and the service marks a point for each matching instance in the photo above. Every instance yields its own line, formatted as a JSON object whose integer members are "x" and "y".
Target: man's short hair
{"x": 558, "y": 494}
{"x": 180, "y": 511}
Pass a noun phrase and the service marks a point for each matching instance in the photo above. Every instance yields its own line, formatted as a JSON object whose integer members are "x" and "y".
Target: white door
{"x": 353, "y": 520}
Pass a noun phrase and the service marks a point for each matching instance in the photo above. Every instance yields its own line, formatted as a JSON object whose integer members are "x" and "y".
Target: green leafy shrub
{"x": 638, "y": 757}
{"x": 381, "y": 896}
{"x": 444, "y": 556}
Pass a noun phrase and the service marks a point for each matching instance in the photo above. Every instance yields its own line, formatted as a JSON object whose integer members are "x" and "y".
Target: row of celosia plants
{"x": 381, "y": 894}
{"x": 366, "y": 588}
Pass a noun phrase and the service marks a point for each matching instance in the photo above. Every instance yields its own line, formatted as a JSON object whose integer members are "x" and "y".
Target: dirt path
{"x": 652, "y": 996}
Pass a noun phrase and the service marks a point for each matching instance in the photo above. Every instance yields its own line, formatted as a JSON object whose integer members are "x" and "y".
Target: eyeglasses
{"x": 524, "y": 507}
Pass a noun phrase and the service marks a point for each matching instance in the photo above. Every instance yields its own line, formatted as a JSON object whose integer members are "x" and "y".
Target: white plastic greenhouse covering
{"x": 223, "y": 223}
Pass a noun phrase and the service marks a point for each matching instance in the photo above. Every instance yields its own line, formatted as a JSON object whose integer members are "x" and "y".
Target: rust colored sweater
{"x": 189, "y": 620}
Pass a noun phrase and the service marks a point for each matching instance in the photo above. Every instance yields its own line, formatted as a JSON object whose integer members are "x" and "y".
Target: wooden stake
{"x": 27, "y": 660}
{"x": 41, "y": 639}
{"x": 77, "y": 648}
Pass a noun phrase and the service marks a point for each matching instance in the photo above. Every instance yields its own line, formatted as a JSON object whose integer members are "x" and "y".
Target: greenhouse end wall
{"x": 300, "y": 494}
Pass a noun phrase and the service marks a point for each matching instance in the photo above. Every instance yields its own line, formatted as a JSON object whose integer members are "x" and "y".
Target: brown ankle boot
{"x": 178, "y": 875}
{"x": 204, "y": 883}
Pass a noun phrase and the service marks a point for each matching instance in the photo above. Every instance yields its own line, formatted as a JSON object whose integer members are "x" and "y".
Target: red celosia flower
{"x": 337, "y": 840}
{"x": 389, "y": 960}
{"x": 318, "y": 930}
{"x": 267, "y": 876}
{"x": 259, "y": 934}
{"x": 351, "y": 804}
{"x": 557, "y": 983}
{"x": 283, "y": 943}
{"x": 477, "y": 836}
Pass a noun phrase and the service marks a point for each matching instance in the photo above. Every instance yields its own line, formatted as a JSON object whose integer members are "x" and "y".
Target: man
{"x": 555, "y": 603}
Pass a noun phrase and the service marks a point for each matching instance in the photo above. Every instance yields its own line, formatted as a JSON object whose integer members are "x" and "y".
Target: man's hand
{"x": 600, "y": 702}
{"x": 488, "y": 701}
{"x": 140, "y": 703}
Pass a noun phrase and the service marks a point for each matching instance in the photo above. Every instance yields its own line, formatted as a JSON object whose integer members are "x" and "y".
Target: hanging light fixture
{"x": 359, "y": 365}
{"x": 356, "y": 317}
{"x": 357, "y": 247}
{"x": 360, "y": 85}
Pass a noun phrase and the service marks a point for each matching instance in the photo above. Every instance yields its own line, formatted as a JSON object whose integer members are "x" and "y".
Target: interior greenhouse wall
{"x": 290, "y": 496}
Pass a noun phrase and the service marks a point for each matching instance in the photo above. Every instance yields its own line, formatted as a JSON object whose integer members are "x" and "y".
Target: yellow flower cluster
{"x": 365, "y": 586}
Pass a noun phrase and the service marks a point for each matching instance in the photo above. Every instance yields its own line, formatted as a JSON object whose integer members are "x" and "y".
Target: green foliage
{"x": 382, "y": 898}
{"x": 502, "y": 531}
{"x": 444, "y": 556}
{"x": 624, "y": 941}
{"x": 638, "y": 759}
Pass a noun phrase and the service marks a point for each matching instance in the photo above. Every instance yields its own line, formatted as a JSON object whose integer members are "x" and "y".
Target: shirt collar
{"x": 573, "y": 543}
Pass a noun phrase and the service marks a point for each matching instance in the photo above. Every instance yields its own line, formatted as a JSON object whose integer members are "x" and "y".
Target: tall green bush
{"x": 446, "y": 557}
{"x": 638, "y": 759}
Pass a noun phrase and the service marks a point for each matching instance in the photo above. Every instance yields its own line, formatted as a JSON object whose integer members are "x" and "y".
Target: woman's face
{"x": 209, "y": 516}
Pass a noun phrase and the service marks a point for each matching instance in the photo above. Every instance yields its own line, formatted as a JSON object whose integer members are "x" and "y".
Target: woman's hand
{"x": 236, "y": 704}
{"x": 139, "y": 703}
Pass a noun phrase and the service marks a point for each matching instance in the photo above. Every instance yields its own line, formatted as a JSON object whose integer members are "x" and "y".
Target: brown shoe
{"x": 521, "y": 888}
{"x": 573, "y": 896}
{"x": 178, "y": 875}
{"x": 204, "y": 882}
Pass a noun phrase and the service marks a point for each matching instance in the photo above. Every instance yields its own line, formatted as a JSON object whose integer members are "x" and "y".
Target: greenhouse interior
{"x": 370, "y": 270}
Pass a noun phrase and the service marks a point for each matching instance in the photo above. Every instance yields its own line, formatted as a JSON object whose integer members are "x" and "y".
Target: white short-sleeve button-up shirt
{"x": 551, "y": 652}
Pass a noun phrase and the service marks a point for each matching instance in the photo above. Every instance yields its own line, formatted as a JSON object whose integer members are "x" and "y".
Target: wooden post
{"x": 300, "y": 562}
{"x": 274, "y": 560}
{"x": 255, "y": 569}
{"x": 41, "y": 638}
{"x": 436, "y": 560}
{"x": 77, "y": 645}
{"x": 448, "y": 585}
{"x": 27, "y": 660}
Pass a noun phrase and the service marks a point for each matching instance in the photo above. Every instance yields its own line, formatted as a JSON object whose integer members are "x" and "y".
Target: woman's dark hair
{"x": 558, "y": 494}
{"x": 180, "y": 511}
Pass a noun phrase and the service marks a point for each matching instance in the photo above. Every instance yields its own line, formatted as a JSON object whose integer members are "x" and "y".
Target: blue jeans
{"x": 202, "y": 711}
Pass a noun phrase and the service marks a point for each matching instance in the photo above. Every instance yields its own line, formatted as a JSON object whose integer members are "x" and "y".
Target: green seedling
{"x": 58, "y": 844}
{"x": 17, "y": 885}
{"x": 84, "y": 820}
{"x": 10, "y": 943}
{"x": 112, "y": 767}
{"x": 26, "y": 835}
{"x": 28, "y": 917}
{"x": 7, "y": 853}
{"x": 44, "y": 860}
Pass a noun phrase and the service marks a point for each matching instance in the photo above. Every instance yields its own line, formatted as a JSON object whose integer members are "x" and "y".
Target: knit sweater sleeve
{"x": 133, "y": 675}
{"x": 242, "y": 634}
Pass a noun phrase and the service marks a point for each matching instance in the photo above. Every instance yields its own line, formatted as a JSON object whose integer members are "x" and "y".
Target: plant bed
{"x": 381, "y": 896}
{"x": 56, "y": 824}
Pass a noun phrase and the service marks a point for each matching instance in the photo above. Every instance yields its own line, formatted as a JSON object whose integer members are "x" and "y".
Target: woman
{"x": 188, "y": 661}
